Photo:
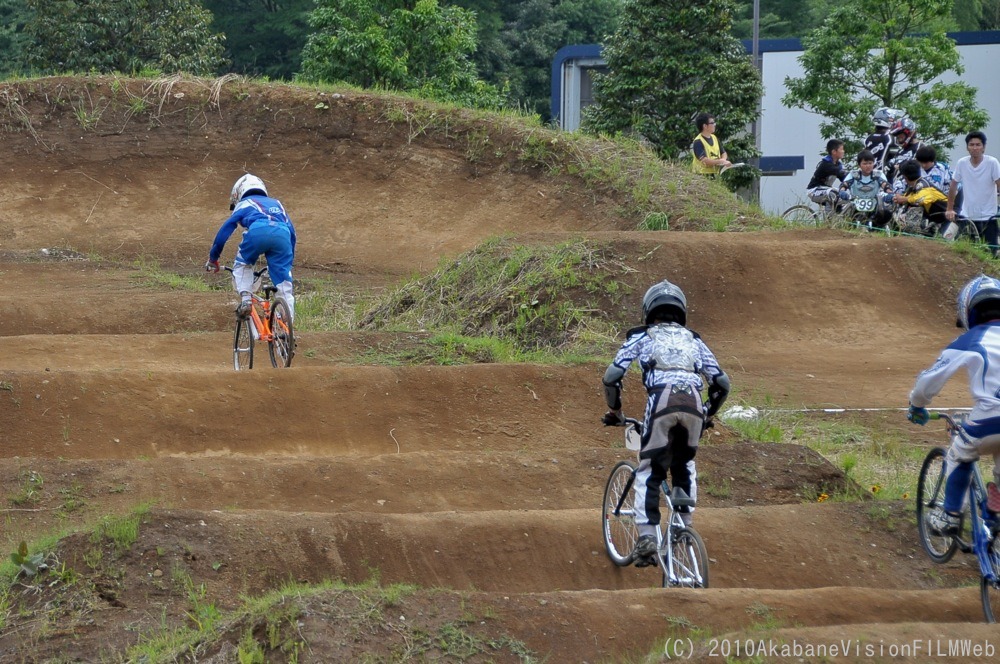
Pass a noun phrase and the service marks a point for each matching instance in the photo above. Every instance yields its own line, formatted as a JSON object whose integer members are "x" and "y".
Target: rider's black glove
{"x": 613, "y": 419}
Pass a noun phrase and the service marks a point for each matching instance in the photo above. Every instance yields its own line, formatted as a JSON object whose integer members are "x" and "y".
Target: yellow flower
{"x": 876, "y": 488}
{"x": 905, "y": 496}
{"x": 822, "y": 497}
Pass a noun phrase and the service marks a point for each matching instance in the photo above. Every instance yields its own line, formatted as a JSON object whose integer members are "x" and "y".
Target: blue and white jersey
{"x": 641, "y": 347}
{"x": 249, "y": 211}
{"x": 939, "y": 176}
{"x": 978, "y": 352}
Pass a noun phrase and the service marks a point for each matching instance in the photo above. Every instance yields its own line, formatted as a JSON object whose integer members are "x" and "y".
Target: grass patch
{"x": 151, "y": 274}
{"x": 508, "y": 300}
{"x": 879, "y": 461}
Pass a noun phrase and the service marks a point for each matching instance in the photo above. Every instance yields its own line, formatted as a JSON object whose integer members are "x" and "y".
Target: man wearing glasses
{"x": 709, "y": 155}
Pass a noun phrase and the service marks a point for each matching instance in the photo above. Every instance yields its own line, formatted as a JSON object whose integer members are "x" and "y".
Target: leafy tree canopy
{"x": 668, "y": 61}
{"x": 13, "y": 42}
{"x": 263, "y": 37}
{"x": 518, "y": 39}
{"x": 123, "y": 36}
{"x": 406, "y": 45}
{"x": 872, "y": 53}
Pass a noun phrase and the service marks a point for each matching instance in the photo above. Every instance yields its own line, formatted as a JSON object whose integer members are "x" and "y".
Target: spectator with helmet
{"x": 904, "y": 134}
{"x": 979, "y": 176}
{"x": 708, "y": 155}
{"x": 977, "y": 350}
{"x": 879, "y": 143}
{"x": 675, "y": 363}
{"x": 269, "y": 231}
{"x": 829, "y": 169}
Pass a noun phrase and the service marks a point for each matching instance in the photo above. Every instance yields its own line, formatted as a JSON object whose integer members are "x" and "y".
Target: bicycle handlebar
{"x": 256, "y": 274}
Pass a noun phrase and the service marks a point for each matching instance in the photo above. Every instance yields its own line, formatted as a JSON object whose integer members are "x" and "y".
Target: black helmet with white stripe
{"x": 664, "y": 295}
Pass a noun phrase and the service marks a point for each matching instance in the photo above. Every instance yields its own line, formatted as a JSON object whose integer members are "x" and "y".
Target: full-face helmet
{"x": 979, "y": 296}
{"x": 884, "y": 117}
{"x": 246, "y": 185}
{"x": 664, "y": 294}
{"x": 904, "y": 129}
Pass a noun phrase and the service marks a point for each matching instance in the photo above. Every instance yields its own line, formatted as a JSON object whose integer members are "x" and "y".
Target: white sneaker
{"x": 943, "y": 523}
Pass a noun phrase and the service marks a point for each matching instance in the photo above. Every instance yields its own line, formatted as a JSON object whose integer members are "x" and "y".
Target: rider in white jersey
{"x": 978, "y": 352}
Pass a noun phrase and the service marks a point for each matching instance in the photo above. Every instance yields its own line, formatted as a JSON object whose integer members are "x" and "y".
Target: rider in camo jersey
{"x": 675, "y": 362}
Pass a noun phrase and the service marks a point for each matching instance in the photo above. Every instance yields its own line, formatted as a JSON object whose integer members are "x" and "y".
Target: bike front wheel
{"x": 618, "y": 514}
{"x": 688, "y": 566}
{"x": 801, "y": 214}
{"x": 243, "y": 345}
{"x": 281, "y": 347}
{"x": 930, "y": 495}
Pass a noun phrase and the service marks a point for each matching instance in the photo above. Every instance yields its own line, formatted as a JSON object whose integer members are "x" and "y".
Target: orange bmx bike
{"x": 269, "y": 321}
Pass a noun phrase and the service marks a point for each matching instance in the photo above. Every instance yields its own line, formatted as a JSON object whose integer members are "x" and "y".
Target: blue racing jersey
{"x": 249, "y": 211}
{"x": 978, "y": 352}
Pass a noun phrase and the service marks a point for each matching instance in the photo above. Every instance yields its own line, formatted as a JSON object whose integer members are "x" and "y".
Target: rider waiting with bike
{"x": 269, "y": 231}
{"x": 831, "y": 167}
{"x": 879, "y": 142}
{"x": 673, "y": 361}
{"x": 978, "y": 351}
{"x": 920, "y": 192}
{"x": 904, "y": 133}
{"x": 865, "y": 183}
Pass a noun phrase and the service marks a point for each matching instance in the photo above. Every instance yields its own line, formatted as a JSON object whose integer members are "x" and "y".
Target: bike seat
{"x": 679, "y": 498}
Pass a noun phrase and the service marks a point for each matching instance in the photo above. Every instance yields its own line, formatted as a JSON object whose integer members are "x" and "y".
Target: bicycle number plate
{"x": 865, "y": 204}
{"x": 632, "y": 439}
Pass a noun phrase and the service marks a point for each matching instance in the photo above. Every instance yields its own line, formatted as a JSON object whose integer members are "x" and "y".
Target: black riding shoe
{"x": 645, "y": 551}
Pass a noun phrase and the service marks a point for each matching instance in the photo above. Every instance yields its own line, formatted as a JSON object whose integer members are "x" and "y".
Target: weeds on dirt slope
{"x": 297, "y": 621}
{"x": 643, "y": 190}
{"x": 532, "y": 298}
{"x": 880, "y": 463}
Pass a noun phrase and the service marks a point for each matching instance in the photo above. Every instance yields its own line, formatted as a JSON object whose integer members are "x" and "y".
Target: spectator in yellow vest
{"x": 708, "y": 154}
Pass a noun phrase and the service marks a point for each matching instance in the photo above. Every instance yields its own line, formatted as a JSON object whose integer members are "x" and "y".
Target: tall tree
{"x": 406, "y": 45}
{"x": 668, "y": 61}
{"x": 263, "y": 37}
{"x": 872, "y": 53}
{"x": 968, "y": 14}
{"x": 123, "y": 35}
{"x": 14, "y": 14}
{"x": 518, "y": 38}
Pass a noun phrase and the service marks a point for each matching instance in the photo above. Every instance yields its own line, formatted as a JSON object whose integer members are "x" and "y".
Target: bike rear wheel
{"x": 689, "y": 567}
{"x": 620, "y": 531}
{"x": 990, "y": 589}
{"x": 801, "y": 214}
{"x": 282, "y": 345}
{"x": 930, "y": 495}
{"x": 243, "y": 344}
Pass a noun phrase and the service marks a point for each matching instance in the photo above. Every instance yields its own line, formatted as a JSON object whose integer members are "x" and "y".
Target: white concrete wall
{"x": 788, "y": 132}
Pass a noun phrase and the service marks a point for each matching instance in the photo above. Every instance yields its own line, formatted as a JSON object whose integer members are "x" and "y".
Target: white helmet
{"x": 664, "y": 294}
{"x": 246, "y": 185}
{"x": 982, "y": 293}
{"x": 884, "y": 117}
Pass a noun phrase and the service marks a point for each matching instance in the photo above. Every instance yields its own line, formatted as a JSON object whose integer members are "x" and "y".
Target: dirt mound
{"x": 477, "y": 484}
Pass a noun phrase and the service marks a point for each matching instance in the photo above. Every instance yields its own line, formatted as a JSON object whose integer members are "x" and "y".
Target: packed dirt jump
{"x": 477, "y": 486}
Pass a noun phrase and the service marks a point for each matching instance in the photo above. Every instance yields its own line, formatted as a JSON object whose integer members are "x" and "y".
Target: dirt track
{"x": 482, "y": 478}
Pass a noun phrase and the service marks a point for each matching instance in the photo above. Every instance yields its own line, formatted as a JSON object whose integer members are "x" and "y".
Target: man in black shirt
{"x": 829, "y": 169}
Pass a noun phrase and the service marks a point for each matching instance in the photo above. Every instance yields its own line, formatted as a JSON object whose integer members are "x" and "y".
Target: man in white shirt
{"x": 979, "y": 175}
